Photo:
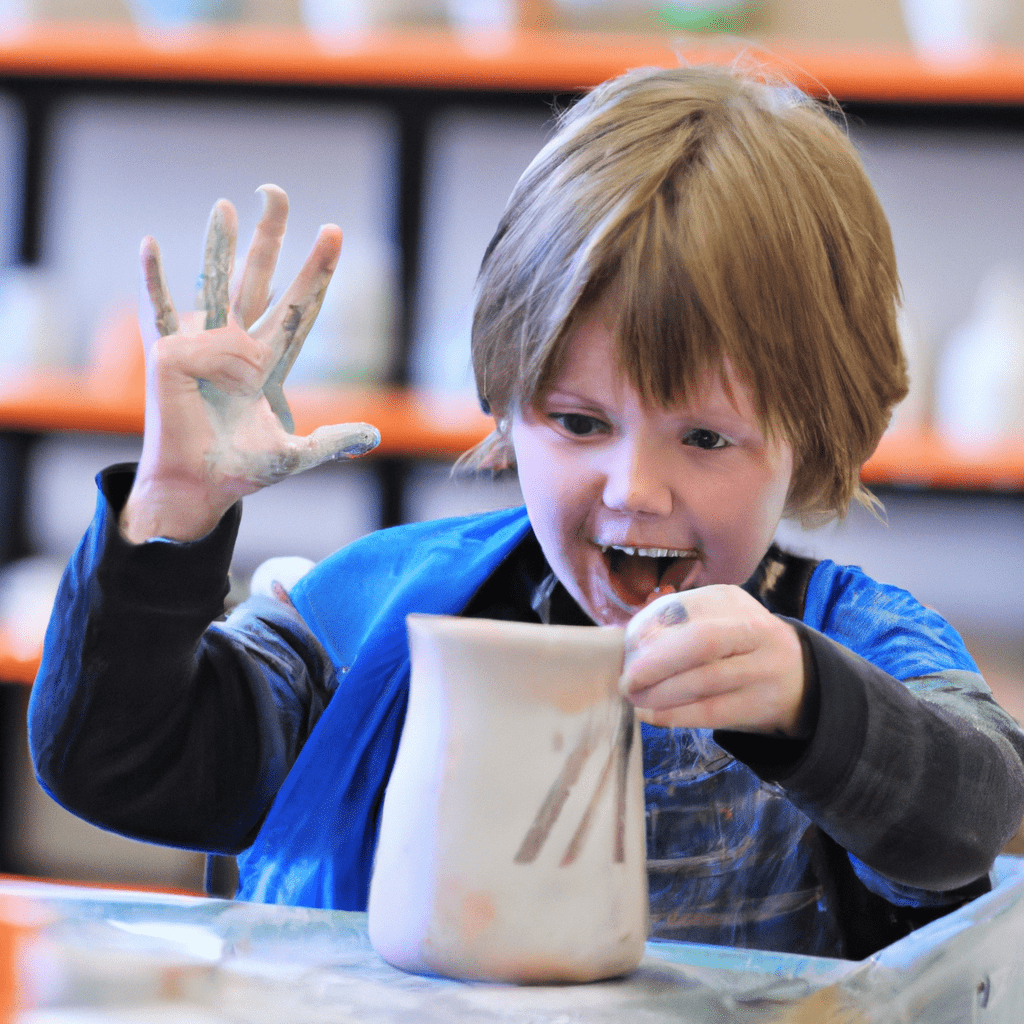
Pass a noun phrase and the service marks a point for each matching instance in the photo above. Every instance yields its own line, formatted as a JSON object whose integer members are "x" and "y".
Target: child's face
{"x": 697, "y": 487}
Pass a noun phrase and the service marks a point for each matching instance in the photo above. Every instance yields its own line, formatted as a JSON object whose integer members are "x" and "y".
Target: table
{"x": 103, "y": 956}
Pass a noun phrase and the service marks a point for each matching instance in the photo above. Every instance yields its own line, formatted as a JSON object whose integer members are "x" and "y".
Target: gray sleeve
{"x": 921, "y": 781}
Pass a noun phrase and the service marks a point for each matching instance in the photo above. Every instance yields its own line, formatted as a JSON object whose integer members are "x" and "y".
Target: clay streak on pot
{"x": 576, "y": 843}
{"x": 553, "y": 803}
{"x": 622, "y": 741}
{"x": 624, "y": 749}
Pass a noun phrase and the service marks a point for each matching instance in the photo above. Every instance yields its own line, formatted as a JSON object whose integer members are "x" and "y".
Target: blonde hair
{"x": 736, "y": 224}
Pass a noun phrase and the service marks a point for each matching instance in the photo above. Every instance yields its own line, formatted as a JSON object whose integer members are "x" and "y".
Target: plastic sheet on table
{"x": 114, "y": 957}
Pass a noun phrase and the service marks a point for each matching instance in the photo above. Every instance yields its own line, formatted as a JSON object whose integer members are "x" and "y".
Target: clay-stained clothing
{"x": 272, "y": 735}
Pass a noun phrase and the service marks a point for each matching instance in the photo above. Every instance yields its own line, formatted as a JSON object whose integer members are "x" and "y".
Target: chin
{"x": 610, "y": 613}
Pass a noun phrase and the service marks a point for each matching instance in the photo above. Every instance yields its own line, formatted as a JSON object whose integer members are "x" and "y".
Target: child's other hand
{"x": 217, "y": 423}
{"x": 714, "y": 658}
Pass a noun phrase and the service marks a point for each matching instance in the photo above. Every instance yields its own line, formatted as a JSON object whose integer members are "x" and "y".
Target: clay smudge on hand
{"x": 341, "y": 441}
{"x": 336, "y": 442}
{"x": 292, "y": 322}
{"x": 294, "y": 329}
{"x": 673, "y": 614}
{"x": 363, "y": 441}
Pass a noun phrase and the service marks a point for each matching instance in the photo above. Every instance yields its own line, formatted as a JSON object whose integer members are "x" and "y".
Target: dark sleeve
{"x": 921, "y": 781}
{"x": 146, "y": 719}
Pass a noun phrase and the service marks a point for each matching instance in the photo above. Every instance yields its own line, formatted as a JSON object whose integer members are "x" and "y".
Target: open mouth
{"x": 638, "y": 574}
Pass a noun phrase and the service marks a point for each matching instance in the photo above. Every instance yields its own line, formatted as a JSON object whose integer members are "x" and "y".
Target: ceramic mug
{"x": 512, "y": 843}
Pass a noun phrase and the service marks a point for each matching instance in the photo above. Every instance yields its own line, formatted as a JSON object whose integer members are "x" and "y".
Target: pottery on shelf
{"x": 512, "y": 841}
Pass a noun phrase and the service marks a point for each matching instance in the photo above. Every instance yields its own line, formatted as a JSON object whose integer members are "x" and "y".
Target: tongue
{"x": 634, "y": 578}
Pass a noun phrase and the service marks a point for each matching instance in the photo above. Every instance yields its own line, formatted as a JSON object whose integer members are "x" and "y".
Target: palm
{"x": 217, "y": 422}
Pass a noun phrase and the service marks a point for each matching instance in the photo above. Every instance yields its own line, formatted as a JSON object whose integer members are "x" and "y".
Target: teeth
{"x": 647, "y": 552}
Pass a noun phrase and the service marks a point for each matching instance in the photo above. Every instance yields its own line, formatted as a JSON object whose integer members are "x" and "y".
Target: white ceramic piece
{"x": 957, "y": 26}
{"x": 284, "y": 569}
{"x": 979, "y": 397}
{"x": 32, "y": 321}
{"x": 28, "y": 587}
{"x": 512, "y": 841}
{"x": 915, "y": 411}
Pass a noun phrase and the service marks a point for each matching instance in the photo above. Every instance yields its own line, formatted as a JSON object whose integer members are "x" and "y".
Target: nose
{"x": 635, "y": 480}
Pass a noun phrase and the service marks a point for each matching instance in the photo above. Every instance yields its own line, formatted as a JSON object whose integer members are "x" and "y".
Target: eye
{"x": 579, "y": 424}
{"x": 700, "y": 437}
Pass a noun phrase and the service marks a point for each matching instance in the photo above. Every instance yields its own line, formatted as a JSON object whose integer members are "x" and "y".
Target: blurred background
{"x": 408, "y": 122}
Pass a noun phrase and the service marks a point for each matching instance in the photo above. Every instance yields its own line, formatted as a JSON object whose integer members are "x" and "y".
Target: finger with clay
{"x": 218, "y": 426}
{"x": 714, "y": 658}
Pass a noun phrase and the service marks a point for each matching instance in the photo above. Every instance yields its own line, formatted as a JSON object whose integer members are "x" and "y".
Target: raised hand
{"x": 714, "y": 658}
{"x": 218, "y": 426}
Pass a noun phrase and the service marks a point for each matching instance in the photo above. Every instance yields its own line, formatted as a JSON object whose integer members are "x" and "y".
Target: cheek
{"x": 527, "y": 457}
{"x": 741, "y": 522}
{"x": 533, "y": 463}
{"x": 772, "y": 496}
{"x": 549, "y": 491}
{"x": 782, "y": 483}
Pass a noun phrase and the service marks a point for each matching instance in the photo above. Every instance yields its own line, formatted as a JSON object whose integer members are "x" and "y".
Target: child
{"x": 684, "y": 329}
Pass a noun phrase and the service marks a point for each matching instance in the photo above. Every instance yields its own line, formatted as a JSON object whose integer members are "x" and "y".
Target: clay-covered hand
{"x": 714, "y": 658}
{"x": 217, "y": 423}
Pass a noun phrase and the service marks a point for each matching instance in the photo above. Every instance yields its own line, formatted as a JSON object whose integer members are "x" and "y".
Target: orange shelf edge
{"x": 415, "y": 424}
{"x": 923, "y": 458}
{"x": 411, "y": 424}
{"x": 527, "y": 60}
{"x": 16, "y": 665}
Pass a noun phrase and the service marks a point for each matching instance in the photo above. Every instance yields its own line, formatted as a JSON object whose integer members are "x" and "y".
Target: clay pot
{"x": 512, "y": 841}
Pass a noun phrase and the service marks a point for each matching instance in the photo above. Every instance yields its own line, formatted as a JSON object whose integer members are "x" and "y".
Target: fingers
{"x": 756, "y": 705}
{"x": 156, "y": 293}
{"x": 261, "y": 260}
{"x": 740, "y": 692}
{"x": 675, "y": 609}
{"x": 274, "y": 394}
{"x": 218, "y": 263}
{"x": 714, "y": 658}
{"x": 288, "y": 324}
{"x": 691, "y": 629}
{"x": 728, "y": 710}
{"x": 684, "y": 663}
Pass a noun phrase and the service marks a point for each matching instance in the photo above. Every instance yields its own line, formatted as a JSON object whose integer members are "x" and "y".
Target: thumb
{"x": 665, "y": 608}
{"x": 341, "y": 441}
